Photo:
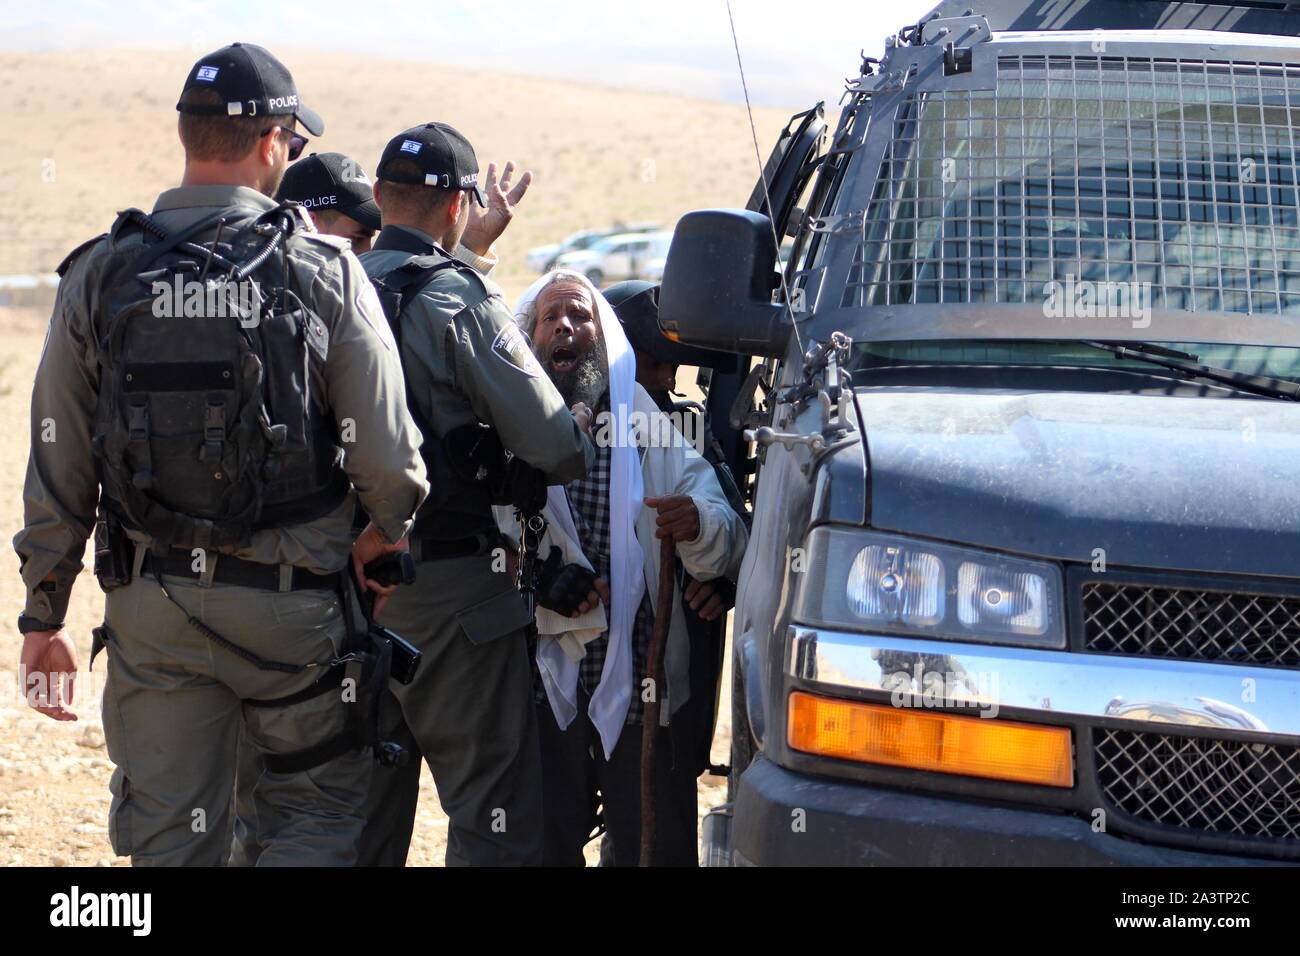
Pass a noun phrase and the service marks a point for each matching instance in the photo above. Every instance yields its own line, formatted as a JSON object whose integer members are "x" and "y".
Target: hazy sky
{"x": 795, "y": 51}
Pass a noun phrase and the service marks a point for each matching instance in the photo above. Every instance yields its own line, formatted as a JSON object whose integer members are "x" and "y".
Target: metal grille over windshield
{"x": 1175, "y": 174}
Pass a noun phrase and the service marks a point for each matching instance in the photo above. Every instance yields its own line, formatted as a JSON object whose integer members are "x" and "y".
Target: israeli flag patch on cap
{"x": 206, "y": 73}
{"x": 411, "y": 146}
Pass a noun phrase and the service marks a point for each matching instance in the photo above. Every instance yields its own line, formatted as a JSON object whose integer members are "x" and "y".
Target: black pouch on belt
{"x": 371, "y": 676}
{"x": 113, "y": 553}
{"x": 361, "y": 679}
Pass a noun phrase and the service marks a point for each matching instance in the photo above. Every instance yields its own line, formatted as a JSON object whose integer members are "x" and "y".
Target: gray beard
{"x": 587, "y": 381}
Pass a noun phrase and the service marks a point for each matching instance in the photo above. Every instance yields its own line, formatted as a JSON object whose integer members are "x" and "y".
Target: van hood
{"x": 1198, "y": 484}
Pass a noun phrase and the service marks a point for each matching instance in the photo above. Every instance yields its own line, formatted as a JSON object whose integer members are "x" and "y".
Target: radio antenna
{"x": 212, "y": 251}
{"x": 762, "y": 176}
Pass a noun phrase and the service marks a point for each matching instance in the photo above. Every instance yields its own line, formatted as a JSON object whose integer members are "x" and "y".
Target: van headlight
{"x": 864, "y": 580}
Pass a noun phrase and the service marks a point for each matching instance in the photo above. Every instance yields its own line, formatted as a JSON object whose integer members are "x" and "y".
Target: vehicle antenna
{"x": 762, "y": 176}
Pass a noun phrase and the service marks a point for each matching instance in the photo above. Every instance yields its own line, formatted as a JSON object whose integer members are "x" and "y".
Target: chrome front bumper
{"x": 1244, "y": 700}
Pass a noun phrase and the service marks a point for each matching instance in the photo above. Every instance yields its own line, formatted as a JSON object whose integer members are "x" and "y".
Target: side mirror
{"x": 718, "y": 282}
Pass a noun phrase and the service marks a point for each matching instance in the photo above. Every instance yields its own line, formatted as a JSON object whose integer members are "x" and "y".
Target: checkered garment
{"x": 589, "y": 502}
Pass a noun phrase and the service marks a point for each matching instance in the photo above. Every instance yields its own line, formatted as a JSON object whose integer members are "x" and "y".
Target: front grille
{"x": 1194, "y": 783}
{"x": 1192, "y": 624}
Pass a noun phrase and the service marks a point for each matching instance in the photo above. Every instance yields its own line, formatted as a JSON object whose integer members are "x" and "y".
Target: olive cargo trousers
{"x": 173, "y": 712}
{"x": 469, "y": 713}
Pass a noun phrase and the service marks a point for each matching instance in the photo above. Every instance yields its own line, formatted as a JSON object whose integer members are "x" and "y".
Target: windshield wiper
{"x": 1188, "y": 363}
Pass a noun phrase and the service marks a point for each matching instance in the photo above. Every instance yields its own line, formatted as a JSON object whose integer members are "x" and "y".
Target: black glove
{"x": 563, "y": 588}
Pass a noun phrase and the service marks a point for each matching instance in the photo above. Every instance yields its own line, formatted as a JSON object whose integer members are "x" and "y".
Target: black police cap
{"x": 251, "y": 82}
{"x": 325, "y": 181}
{"x": 636, "y": 303}
{"x": 444, "y": 157}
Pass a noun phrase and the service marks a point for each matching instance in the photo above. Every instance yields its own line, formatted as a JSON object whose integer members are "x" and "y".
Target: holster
{"x": 113, "y": 552}
{"x": 521, "y": 486}
{"x": 474, "y": 453}
{"x": 362, "y": 683}
{"x": 476, "y": 456}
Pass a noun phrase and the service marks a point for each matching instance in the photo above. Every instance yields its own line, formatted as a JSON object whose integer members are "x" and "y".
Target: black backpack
{"x": 209, "y": 424}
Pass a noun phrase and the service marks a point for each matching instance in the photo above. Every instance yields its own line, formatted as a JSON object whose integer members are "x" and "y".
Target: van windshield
{"x": 1173, "y": 179}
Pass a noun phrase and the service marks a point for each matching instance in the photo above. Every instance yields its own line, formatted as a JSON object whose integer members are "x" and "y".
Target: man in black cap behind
{"x": 704, "y": 603}
{"x": 476, "y": 391}
{"x": 214, "y": 471}
{"x": 636, "y": 303}
{"x": 336, "y": 193}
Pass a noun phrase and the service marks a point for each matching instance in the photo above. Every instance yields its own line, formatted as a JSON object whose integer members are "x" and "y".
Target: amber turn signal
{"x": 931, "y": 740}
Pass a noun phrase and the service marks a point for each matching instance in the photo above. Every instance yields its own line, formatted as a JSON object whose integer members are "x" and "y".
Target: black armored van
{"x": 1022, "y": 433}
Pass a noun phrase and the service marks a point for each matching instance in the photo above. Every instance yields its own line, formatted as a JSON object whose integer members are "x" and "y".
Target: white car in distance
{"x": 625, "y": 256}
{"x": 543, "y": 258}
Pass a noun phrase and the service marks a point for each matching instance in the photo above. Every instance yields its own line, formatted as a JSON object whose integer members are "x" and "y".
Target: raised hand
{"x": 486, "y": 225}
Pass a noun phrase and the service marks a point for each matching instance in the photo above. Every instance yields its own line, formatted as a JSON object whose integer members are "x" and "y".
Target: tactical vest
{"x": 209, "y": 425}
{"x": 466, "y": 466}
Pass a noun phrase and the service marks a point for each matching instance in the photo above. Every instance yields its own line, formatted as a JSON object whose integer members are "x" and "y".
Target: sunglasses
{"x": 297, "y": 143}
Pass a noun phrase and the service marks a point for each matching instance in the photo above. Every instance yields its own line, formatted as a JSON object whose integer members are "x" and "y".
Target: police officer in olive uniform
{"x": 476, "y": 390}
{"x": 336, "y": 193}
{"x": 218, "y": 388}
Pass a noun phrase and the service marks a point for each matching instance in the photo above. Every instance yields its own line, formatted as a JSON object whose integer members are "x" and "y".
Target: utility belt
{"x": 118, "y": 559}
{"x": 227, "y": 569}
{"x": 371, "y": 655}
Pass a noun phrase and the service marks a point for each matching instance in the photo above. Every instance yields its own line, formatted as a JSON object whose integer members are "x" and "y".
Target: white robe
{"x": 669, "y": 466}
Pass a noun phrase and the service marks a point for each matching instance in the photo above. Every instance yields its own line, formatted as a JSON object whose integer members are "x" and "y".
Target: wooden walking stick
{"x": 650, "y": 722}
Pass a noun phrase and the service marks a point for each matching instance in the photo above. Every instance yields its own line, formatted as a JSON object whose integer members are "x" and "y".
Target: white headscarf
{"x": 610, "y": 700}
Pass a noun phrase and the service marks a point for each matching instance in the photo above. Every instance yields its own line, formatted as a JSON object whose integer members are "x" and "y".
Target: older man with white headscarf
{"x": 648, "y": 488}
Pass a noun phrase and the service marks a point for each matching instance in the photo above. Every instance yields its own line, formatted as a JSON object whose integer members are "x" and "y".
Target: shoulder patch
{"x": 66, "y": 264}
{"x": 511, "y": 347}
